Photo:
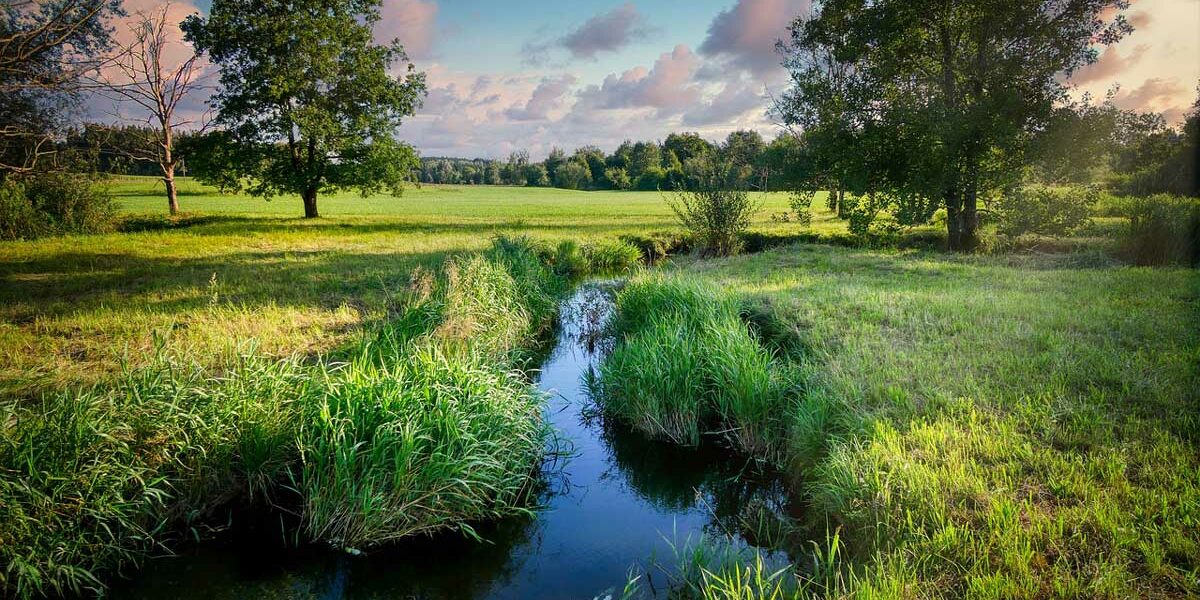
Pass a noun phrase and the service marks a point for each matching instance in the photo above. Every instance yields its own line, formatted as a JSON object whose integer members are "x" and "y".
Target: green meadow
{"x": 1014, "y": 424}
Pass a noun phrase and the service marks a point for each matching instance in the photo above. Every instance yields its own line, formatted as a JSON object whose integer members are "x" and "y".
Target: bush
{"x": 1163, "y": 229}
{"x": 1045, "y": 210}
{"x": 54, "y": 204}
{"x": 716, "y": 212}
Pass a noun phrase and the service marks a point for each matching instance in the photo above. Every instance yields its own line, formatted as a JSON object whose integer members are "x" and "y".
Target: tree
{"x": 593, "y": 157}
{"x": 536, "y": 176}
{"x": 45, "y": 49}
{"x": 556, "y": 159}
{"x": 644, "y": 157}
{"x": 948, "y": 94}
{"x": 306, "y": 98}
{"x": 141, "y": 73}
{"x": 618, "y": 178}
{"x": 492, "y": 174}
{"x": 687, "y": 145}
{"x": 572, "y": 175}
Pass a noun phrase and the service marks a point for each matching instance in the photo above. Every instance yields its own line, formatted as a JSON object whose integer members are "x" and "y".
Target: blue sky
{"x": 530, "y": 75}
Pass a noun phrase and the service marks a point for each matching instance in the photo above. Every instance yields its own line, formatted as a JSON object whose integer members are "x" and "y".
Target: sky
{"x": 519, "y": 74}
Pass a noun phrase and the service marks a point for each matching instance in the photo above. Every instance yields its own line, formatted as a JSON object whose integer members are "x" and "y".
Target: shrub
{"x": 1045, "y": 210}
{"x": 54, "y": 204}
{"x": 716, "y": 211}
{"x": 1162, "y": 230}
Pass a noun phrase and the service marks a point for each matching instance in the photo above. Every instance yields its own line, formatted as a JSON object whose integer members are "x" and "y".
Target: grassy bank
{"x": 991, "y": 427}
{"x": 425, "y": 424}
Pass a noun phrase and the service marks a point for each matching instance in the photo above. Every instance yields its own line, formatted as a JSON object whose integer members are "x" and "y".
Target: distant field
{"x": 236, "y": 268}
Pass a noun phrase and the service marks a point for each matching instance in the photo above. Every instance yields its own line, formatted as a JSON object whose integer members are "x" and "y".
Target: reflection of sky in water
{"x": 617, "y": 502}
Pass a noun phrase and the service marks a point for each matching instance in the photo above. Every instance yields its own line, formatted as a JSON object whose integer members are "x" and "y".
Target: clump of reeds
{"x": 686, "y": 364}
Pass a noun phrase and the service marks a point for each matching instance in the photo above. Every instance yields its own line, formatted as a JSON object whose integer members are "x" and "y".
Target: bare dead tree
{"x": 140, "y": 73}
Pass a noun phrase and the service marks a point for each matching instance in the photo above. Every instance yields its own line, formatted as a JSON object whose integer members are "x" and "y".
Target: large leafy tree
{"x": 939, "y": 98}
{"x": 306, "y": 103}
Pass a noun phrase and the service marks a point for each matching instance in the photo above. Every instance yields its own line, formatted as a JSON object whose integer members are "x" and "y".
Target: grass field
{"x": 236, "y": 268}
{"x": 1017, "y": 425}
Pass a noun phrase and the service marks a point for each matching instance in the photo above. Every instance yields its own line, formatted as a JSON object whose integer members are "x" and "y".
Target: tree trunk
{"x": 172, "y": 195}
{"x": 953, "y": 224}
{"x": 310, "y": 203}
{"x": 969, "y": 222}
{"x": 833, "y": 199}
{"x": 841, "y": 203}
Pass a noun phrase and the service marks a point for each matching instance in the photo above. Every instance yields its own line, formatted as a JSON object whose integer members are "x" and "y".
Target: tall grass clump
{"x": 428, "y": 443}
{"x": 95, "y": 479}
{"x": 685, "y": 364}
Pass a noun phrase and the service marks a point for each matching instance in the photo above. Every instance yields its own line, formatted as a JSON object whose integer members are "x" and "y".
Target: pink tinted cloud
{"x": 667, "y": 87}
{"x": 1110, "y": 64}
{"x": 546, "y": 98}
{"x": 747, "y": 32}
{"x": 413, "y": 22}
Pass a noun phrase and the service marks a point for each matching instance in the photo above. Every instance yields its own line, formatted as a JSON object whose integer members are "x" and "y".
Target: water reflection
{"x": 618, "y": 501}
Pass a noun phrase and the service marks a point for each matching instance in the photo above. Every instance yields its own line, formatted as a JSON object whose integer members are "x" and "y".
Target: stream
{"x": 613, "y": 502}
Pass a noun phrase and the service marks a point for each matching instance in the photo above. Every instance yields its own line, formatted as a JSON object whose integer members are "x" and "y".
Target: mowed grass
{"x": 1020, "y": 426}
{"x": 236, "y": 268}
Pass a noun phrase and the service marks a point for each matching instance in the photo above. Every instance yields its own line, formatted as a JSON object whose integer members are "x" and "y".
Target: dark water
{"x": 617, "y": 502}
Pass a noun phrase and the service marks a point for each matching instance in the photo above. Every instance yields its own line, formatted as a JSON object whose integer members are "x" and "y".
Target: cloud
{"x": 746, "y": 33}
{"x": 1155, "y": 95}
{"x": 1110, "y": 64}
{"x": 667, "y": 87}
{"x": 413, "y": 22}
{"x": 547, "y": 97}
{"x": 605, "y": 32}
{"x": 734, "y": 100}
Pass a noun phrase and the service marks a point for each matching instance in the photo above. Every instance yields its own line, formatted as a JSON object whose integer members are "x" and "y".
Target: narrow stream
{"x": 615, "y": 502}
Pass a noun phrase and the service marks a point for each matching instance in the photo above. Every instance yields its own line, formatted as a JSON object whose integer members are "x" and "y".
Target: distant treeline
{"x": 646, "y": 165}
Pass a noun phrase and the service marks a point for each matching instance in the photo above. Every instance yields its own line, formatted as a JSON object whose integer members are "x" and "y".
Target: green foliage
{"x": 715, "y": 211}
{"x": 657, "y": 245}
{"x": 902, "y": 98}
{"x": 54, "y": 204}
{"x": 572, "y": 176}
{"x": 1164, "y": 162}
{"x": 618, "y": 178}
{"x": 1162, "y": 230}
{"x": 306, "y": 102}
{"x": 612, "y": 257}
{"x": 1045, "y": 210}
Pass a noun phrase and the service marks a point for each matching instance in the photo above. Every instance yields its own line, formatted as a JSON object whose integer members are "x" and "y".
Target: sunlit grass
{"x": 235, "y": 268}
{"x": 1011, "y": 426}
